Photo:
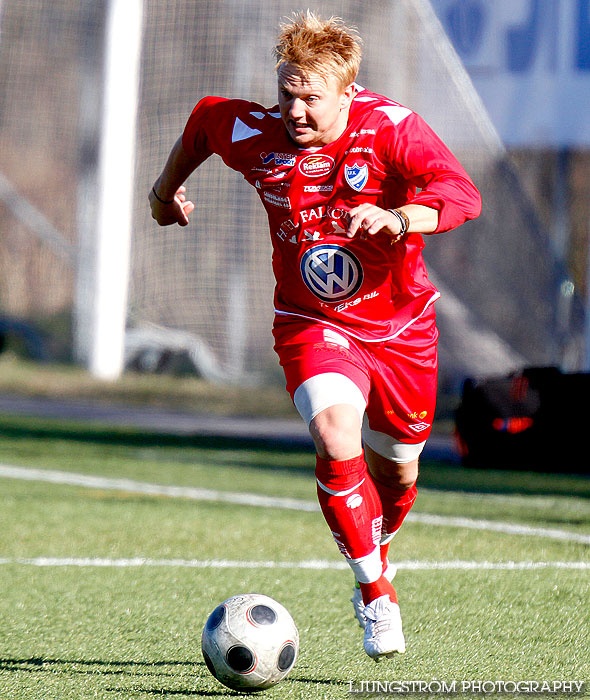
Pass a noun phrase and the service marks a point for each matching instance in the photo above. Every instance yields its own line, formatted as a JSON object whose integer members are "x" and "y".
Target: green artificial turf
{"x": 127, "y": 625}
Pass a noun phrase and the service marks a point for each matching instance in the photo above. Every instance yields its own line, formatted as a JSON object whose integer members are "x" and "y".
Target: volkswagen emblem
{"x": 331, "y": 272}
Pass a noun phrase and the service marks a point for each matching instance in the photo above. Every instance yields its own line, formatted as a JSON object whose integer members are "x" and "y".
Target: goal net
{"x": 207, "y": 288}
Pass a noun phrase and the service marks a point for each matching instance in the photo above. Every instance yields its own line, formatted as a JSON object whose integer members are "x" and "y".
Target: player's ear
{"x": 346, "y": 96}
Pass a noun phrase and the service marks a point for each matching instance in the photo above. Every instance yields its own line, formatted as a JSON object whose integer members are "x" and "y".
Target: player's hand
{"x": 368, "y": 219}
{"x": 175, "y": 212}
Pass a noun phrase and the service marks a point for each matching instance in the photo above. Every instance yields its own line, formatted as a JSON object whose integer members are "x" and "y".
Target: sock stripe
{"x": 332, "y": 492}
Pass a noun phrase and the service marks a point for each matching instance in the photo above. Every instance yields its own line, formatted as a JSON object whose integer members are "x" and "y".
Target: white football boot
{"x": 357, "y": 598}
{"x": 383, "y": 630}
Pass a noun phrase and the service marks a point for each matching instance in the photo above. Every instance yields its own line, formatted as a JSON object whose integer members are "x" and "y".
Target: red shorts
{"x": 397, "y": 378}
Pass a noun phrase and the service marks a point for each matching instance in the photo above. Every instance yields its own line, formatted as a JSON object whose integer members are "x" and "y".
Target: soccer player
{"x": 350, "y": 181}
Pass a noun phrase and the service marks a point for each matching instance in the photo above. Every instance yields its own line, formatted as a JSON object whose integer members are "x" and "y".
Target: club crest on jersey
{"x": 356, "y": 175}
{"x": 331, "y": 272}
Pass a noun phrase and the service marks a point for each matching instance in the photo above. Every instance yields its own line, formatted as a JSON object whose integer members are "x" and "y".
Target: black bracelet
{"x": 162, "y": 201}
{"x": 403, "y": 219}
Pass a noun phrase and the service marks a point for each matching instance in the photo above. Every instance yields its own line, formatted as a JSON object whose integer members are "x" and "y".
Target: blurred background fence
{"x": 204, "y": 292}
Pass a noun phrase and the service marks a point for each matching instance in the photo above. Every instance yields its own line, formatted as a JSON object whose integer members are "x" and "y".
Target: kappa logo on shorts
{"x": 419, "y": 427}
{"x": 331, "y": 272}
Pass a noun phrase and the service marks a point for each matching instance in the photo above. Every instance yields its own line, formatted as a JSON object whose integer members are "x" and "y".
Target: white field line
{"x": 498, "y": 526}
{"x": 547, "y": 500}
{"x": 250, "y": 499}
{"x": 317, "y": 564}
{"x": 131, "y": 486}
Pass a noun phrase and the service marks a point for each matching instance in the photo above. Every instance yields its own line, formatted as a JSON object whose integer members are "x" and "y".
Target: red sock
{"x": 395, "y": 504}
{"x": 383, "y": 552}
{"x": 382, "y": 586}
{"x": 351, "y": 507}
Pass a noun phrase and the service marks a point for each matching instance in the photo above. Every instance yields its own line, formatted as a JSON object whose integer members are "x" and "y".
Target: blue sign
{"x": 530, "y": 62}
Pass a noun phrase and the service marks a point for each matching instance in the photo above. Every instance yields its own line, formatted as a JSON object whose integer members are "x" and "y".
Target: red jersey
{"x": 387, "y": 156}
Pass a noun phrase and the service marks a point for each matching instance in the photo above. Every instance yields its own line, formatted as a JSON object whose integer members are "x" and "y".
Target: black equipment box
{"x": 533, "y": 420}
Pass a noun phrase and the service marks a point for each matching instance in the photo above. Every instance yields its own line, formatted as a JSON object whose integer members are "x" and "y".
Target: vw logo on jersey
{"x": 356, "y": 175}
{"x": 331, "y": 272}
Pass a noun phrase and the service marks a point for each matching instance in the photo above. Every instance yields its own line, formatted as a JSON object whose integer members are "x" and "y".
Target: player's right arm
{"x": 167, "y": 196}
{"x": 207, "y": 131}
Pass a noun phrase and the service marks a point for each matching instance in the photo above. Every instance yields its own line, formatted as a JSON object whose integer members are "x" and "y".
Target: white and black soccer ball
{"x": 250, "y": 642}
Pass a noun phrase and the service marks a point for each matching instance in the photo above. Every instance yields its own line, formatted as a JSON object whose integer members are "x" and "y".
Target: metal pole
{"x": 115, "y": 186}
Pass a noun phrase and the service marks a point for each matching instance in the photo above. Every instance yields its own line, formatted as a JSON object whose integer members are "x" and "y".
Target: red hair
{"x": 325, "y": 47}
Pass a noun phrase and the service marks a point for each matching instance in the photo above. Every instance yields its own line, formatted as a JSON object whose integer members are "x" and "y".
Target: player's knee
{"x": 403, "y": 481}
{"x": 332, "y": 405}
{"x": 401, "y": 476}
{"x": 399, "y": 481}
{"x": 405, "y": 474}
{"x": 392, "y": 462}
{"x": 336, "y": 432}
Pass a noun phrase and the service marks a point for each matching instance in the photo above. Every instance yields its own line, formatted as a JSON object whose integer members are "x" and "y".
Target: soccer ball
{"x": 250, "y": 642}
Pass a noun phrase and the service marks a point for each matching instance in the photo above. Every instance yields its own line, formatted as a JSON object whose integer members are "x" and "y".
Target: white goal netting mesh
{"x": 211, "y": 281}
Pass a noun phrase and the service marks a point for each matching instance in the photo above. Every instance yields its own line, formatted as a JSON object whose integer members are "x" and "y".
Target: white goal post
{"x": 104, "y": 265}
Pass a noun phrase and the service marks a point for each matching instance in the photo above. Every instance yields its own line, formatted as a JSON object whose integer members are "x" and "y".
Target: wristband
{"x": 404, "y": 221}
{"x": 162, "y": 201}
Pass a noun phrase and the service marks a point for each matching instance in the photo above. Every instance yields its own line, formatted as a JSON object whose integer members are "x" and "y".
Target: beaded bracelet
{"x": 404, "y": 223}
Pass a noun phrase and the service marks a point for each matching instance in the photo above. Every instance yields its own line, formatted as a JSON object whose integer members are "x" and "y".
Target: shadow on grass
{"x": 38, "y": 664}
{"x": 129, "y": 669}
{"x": 224, "y": 692}
{"x": 140, "y": 670}
{"x": 434, "y": 474}
{"x": 18, "y": 427}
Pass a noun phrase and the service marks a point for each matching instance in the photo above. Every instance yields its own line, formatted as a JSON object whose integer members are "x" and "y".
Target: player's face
{"x": 314, "y": 109}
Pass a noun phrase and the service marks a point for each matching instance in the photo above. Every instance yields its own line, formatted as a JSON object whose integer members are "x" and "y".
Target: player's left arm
{"x": 422, "y": 158}
{"x": 447, "y": 196}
